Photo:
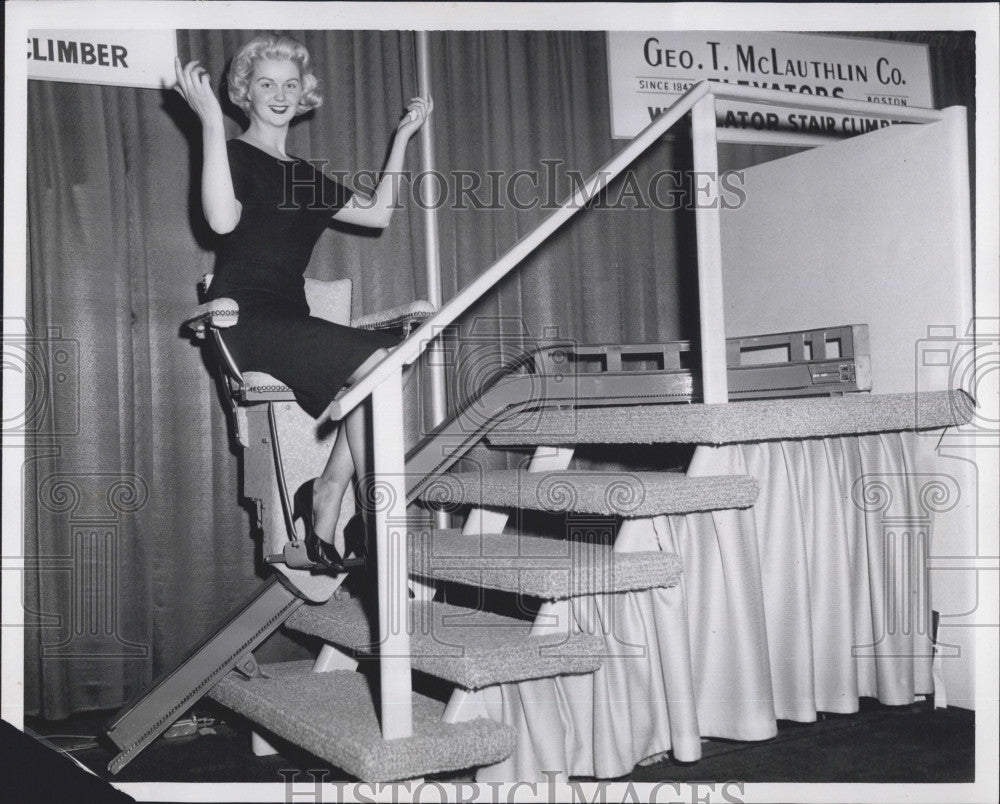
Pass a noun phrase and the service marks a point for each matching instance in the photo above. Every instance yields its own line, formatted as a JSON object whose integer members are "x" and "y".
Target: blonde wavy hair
{"x": 271, "y": 46}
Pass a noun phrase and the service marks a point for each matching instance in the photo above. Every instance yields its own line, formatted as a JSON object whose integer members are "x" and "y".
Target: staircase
{"x": 487, "y": 553}
{"x": 473, "y": 648}
{"x": 355, "y": 706}
{"x": 329, "y": 707}
{"x": 331, "y": 713}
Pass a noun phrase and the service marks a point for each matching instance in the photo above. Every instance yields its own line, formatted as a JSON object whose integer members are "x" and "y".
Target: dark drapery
{"x": 141, "y": 500}
{"x": 133, "y": 517}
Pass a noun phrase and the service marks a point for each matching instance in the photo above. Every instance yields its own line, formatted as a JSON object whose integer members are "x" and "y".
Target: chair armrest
{"x": 406, "y": 315}
{"x": 219, "y": 313}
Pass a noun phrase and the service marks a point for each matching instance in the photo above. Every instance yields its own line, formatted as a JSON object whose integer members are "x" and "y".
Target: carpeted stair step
{"x": 628, "y": 494}
{"x": 470, "y": 648}
{"x": 332, "y": 715}
{"x": 739, "y": 422}
{"x": 551, "y": 569}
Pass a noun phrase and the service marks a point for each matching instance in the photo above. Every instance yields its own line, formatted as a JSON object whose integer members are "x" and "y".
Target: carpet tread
{"x": 551, "y": 569}
{"x": 468, "y": 647}
{"x": 332, "y": 715}
{"x": 628, "y": 494}
{"x": 740, "y": 422}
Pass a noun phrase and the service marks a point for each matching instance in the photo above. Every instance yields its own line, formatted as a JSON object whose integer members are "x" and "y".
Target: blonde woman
{"x": 269, "y": 209}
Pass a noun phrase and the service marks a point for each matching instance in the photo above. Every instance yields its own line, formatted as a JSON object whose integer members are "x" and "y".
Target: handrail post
{"x": 708, "y": 227}
{"x": 388, "y": 496}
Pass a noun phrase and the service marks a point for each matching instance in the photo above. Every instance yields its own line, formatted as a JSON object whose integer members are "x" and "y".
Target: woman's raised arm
{"x": 375, "y": 211}
{"x": 222, "y": 209}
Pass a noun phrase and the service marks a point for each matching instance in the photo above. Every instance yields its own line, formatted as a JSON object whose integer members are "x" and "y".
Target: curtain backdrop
{"x": 135, "y": 516}
{"x": 135, "y": 533}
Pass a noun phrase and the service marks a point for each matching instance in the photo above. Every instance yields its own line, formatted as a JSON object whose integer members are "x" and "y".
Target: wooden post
{"x": 389, "y": 494}
{"x": 709, "y": 238}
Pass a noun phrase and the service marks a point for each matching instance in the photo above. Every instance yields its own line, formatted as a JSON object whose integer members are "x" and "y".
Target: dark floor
{"x": 878, "y": 744}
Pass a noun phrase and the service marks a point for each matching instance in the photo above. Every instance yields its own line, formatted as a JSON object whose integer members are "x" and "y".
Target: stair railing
{"x": 384, "y": 381}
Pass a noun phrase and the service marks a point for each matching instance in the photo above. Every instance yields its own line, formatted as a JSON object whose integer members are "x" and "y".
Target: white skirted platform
{"x": 812, "y": 598}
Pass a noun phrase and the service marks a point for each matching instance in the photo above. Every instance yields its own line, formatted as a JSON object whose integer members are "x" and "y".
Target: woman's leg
{"x": 330, "y": 486}
{"x": 349, "y": 458}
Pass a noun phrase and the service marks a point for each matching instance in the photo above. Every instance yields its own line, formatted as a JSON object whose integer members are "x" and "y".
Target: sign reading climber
{"x": 116, "y": 58}
{"x": 648, "y": 70}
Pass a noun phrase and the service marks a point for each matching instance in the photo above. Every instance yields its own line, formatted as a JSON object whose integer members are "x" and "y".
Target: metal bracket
{"x": 247, "y": 666}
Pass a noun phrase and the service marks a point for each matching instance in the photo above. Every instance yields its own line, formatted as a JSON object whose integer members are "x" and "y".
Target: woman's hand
{"x": 222, "y": 208}
{"x": 194, "y": 86}
{"x": 417, "y": 112}
{"x": 376, "y": 211}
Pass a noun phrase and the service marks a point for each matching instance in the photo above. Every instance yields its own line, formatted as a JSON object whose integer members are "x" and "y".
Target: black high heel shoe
{"x": 317, "y": 551}
{"x": 356, "y": 537}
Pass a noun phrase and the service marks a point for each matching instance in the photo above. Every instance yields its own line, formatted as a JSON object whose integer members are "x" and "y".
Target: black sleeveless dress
{"x": 287, "y": 205}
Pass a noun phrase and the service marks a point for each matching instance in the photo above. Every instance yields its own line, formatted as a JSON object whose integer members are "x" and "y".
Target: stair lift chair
{"x": 283, "y": 446}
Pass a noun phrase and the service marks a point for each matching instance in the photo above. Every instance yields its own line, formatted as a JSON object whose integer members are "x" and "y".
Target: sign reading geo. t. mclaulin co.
{"x": 648, "y": 70}
{"x": 118, "y": 58}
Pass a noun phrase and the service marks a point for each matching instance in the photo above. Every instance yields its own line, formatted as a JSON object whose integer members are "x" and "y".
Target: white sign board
{"x": 117, "y": 58}
{"x": 648, "y": 70}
